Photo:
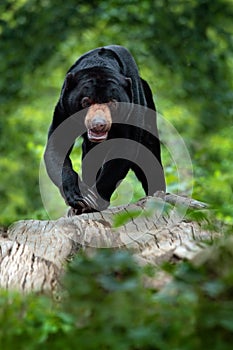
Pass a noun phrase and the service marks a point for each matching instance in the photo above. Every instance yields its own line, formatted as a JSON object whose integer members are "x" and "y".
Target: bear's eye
{"x": 86, "y": 102}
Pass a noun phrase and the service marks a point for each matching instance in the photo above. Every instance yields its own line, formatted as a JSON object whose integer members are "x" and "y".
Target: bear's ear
{"x": 69, "y": 82}
{"x": 128, "y": 88}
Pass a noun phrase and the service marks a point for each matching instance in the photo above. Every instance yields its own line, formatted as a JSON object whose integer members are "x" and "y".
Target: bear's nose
{"x": 98, "y": 123}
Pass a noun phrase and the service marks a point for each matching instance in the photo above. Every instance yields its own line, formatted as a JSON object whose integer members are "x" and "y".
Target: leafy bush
{"x": 106, "y": 306}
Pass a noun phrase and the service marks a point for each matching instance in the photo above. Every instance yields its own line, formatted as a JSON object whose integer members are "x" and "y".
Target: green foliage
{"x": 106, "y": 306}
{"x": 27, "y": 322}
{"x": 152, "y": 206}
{"x": 122, "y": 218}
{"x": 218, "y": 189}
{"x": 184, "y": 50}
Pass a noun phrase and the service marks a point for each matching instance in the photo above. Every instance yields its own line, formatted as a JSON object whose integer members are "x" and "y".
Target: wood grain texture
{"x": 33, "y": 253}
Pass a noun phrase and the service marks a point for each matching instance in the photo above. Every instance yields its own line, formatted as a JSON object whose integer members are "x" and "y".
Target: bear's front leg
{"x": 76, "y": 194}
{"x": 109, "y": 177}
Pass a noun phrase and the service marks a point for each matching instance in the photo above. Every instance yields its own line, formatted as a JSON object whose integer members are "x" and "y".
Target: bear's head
{"x": 99, "y": 90}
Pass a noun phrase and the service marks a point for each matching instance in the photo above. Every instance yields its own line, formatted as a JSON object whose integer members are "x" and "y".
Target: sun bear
{"x": 106, "y": 102}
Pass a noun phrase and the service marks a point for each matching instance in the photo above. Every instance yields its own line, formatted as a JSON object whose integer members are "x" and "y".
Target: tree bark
{"x": 33, "y": 252}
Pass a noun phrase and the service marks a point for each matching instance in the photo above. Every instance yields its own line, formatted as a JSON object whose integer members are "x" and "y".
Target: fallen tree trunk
{"x": 33, "y": 252}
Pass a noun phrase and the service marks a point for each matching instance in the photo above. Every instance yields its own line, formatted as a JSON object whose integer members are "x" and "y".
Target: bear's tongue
{"x": 97, "y": 136}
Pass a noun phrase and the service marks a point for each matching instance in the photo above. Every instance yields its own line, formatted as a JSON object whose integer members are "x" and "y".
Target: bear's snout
{"x": 99, "y": 124}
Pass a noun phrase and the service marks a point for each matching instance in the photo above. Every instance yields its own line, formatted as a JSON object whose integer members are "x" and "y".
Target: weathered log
{"x": 33, "y": 252}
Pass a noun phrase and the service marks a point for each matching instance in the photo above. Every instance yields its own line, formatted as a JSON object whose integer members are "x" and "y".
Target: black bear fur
{"x": 101, "y": 76}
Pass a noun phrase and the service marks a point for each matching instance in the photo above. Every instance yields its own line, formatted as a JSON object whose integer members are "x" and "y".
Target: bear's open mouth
{"x": 97, "y": 136}
{"x": 98, "y": 122}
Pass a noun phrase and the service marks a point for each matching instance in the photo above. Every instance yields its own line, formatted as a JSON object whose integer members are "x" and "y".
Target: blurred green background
{"x": 183, "y": 49}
